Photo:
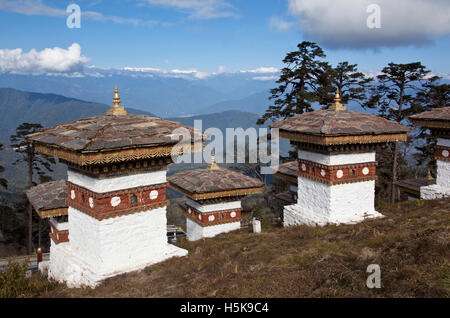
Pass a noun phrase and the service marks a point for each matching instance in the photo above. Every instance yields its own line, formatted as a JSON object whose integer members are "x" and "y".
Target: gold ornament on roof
{"x": 116, "y": 109}
{"x": 337, "y": 103}
{"x": 429, "y": 176}
{"x": 213, "y": 165}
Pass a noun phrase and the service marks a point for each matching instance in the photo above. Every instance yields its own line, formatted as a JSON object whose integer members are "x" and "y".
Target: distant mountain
{"x": 17, "y": 107}
{"x": 256, "y": 103}
{"x": 166, "y": 95}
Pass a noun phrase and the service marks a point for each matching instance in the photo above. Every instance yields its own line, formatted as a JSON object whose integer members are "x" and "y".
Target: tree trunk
{"x": 30, "y": 209}
{"x": 394, "y": 172}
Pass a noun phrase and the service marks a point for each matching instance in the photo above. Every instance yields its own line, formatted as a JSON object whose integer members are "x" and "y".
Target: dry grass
{"x": 411, "y": 245}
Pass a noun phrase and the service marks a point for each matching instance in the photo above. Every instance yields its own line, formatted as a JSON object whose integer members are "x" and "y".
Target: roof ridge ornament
{"x": 116, "y": 109}
{"x": 337, "y": 103}
{"x": 213, "y": 165}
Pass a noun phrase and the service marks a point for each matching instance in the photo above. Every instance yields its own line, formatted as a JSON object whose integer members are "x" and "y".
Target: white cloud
{"x": 343, "y": 23}
{"x": 49, "y": 60}
{"x": 265, "y": 78}
{"x": 198, "y": 9}
{"x": 263, "y": 70}
{"x": 279, "y": 24}
{"x": 37, "y": 7}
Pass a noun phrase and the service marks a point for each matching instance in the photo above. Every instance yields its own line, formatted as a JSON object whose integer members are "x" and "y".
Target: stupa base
{"x": 292, "y": 215}
{"x": 433, "y": 192}
{"x": 196, "y": 232}
{"x": 65, "y": 267}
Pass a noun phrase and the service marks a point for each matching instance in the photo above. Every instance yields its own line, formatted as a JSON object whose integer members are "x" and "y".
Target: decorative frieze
{"x": 116, "y": 203}
{"x": 442, "y": 153}
{"x": 59, "y": 232}
{"x": 212, "y": 218}
{"x": 121, "y": 169}
{"x": 338, "y": 174}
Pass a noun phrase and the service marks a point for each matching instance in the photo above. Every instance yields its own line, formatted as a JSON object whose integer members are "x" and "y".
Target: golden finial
{"x": 337, "y": 103}
{"x": 429, "y": 176}
{"x": 213, "y": 165}
{"x": 116, "y": 109}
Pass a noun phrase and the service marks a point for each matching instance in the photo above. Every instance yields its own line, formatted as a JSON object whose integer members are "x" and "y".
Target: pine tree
{"x": 393, "y": 95}
{"x": 36, "y": 163}
{"x": 300, "y": 83}
{"x": 3, "y": 181}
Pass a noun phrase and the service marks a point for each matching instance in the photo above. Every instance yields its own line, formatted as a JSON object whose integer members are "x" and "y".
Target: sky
{"x": 213, "y": 36}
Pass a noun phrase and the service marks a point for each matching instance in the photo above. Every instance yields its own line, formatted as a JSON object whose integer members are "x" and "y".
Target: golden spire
{"x": 429, "y": 176}
{"x": 337, "y": 103}
{"x": 213, "y": 165}
{"x": 116, "y": 109}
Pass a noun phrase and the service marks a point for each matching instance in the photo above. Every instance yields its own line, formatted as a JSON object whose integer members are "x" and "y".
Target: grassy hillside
{"x": 410, "y": 244}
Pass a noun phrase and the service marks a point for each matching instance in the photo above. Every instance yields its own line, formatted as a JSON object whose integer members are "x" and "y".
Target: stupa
{"x": 213, "y": 203}
{"x": 288, "y": 172}
{"x": 116, "y": 193}
{"x": 49, "y": 201}
{"x": 336, "y": 163}
{"x": 438, "y": 122}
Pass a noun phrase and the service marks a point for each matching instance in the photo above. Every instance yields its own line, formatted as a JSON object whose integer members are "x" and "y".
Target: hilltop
{"x": 410, "y": 244}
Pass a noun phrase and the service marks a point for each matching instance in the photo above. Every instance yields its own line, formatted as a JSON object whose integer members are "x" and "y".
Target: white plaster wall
{"x": 314, "y": 197}
{"x": 115, "y": 244}
{"x": 339, "y": 159}
{"x": 214, "y": 207}
{"x": 196, "y": 232}
{"x": 434, "y": 191}
{"x": 351, "y": 201}
{"x": 443, "y": 173}
{"x": 319, "y": 203}
{"x": 116, "y": 183}
{"x": 59, "y": 226}
{"x": 443, "y": 142}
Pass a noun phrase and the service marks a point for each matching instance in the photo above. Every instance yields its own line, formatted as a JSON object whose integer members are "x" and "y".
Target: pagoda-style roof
{"x": 202, "y": 184}
{"x": 112, "y": 138}
{"x": 49, "y": 199}
{"x": 338, "y": 126}
{"x": 438, "y": 118}
{"x": 288, "y": 171}
{"x": 412, "y": 186}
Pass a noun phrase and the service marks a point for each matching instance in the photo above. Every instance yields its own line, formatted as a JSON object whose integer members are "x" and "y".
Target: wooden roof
{"x": 200, "y": 184}
{"x": 49, "y": 199}
{"x": 413, "y": 185}
{"x": 334, "y": 127}
{"x": 436, "y": 118}
{"x": 106, "y": 139}
{"x": 288, "y": 171}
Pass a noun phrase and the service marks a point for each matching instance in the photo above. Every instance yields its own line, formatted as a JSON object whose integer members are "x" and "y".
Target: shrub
{"x": 14, "y": 281}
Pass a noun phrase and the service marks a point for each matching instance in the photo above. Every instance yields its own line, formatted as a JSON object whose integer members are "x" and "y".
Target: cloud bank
{"x": 198, "y": 9}
{"x": 343, "y": 23}
{"x": 49, "y": 60}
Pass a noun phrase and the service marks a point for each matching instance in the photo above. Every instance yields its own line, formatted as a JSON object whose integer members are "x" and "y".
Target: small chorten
{"x": 336, "y": 163}
{"x": 437, "y": 121}
{"x": 116, "y": 109}
{"x": 213, "y": 199}
{"x": 115, "y": 194}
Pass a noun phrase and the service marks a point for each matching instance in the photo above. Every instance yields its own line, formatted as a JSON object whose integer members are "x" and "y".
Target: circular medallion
{"x": 199, "y": 216}
{"x": 211, "y": 218}
{"x": 445, "y": 153}
{"x": 91, "y": 203}
{"x": 189, "y": 211}
{"x": 303, "y": 167}
{"x": 365, "y": 171}
{"x": 115, "y": 201}
{"x": 322, "y": 173}
{"x": 339, "y": 174}
{"x": 153, "y": 195}
{"x": 72, "y": 194}
{"x": 233, "y": 214}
